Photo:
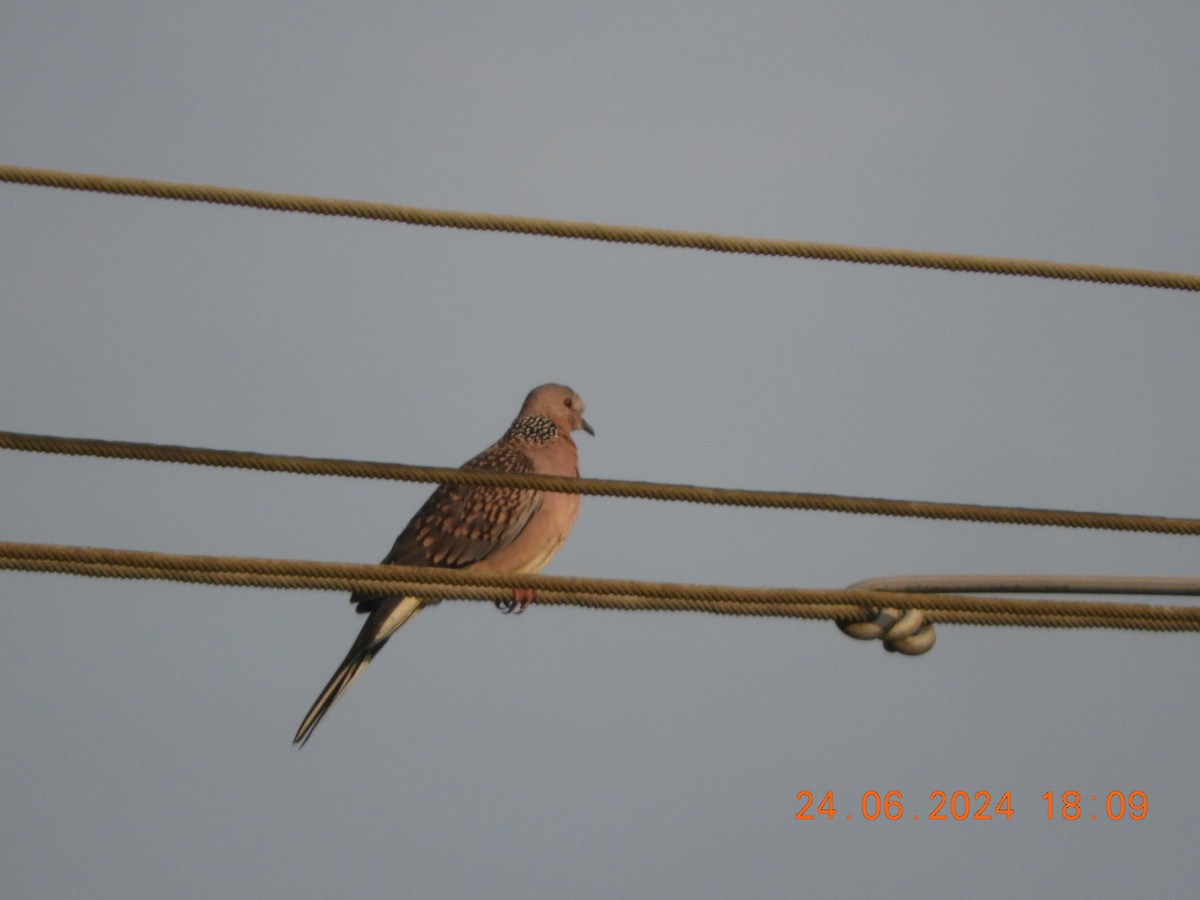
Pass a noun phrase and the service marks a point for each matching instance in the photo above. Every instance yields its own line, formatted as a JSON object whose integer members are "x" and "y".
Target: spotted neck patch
{"x": 532, "y": 430}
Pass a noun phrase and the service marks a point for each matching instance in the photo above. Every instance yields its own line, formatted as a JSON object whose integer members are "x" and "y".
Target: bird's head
{"x": 560, "y": 405}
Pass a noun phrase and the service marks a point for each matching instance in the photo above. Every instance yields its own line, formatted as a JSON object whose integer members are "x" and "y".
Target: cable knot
{"x": 905, "y": 631}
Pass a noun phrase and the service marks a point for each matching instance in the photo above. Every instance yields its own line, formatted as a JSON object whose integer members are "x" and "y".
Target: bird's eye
{"x": 568, "y": 403}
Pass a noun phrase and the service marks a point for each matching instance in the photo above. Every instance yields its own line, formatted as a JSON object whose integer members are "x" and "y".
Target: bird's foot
{"x": 520, "y": 601}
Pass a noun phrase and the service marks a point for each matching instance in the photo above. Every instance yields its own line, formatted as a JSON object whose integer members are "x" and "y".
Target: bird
{"x": 479, "y": 529}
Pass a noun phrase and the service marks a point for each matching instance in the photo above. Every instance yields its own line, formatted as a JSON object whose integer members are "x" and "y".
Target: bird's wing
{"x": 461, "y": 524}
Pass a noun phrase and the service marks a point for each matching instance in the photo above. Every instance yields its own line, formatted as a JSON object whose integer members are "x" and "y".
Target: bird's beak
{"x": 585, "y": 426}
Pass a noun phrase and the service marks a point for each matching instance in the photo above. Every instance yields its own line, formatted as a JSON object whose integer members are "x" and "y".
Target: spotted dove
{"x": 480, "y": 529}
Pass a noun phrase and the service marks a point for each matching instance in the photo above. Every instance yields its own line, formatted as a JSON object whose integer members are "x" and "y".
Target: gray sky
{"x": 146, "y": 743}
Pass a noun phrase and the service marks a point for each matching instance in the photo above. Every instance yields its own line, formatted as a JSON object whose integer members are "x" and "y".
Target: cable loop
{"x": 900, "y": 628}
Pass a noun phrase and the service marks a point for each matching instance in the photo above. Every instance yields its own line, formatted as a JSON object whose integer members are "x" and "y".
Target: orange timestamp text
{"x": 977, "y": 806}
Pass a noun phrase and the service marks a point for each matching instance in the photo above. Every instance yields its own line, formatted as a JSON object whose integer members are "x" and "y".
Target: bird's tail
{"x": 370, "y": 641}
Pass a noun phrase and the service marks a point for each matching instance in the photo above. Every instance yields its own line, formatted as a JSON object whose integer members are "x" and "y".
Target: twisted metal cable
{"x": 662, "y": 237}
{"x": 305, "y": 465}
{"x": 1034, "y": 584}
{"x": 846, "y": 605}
